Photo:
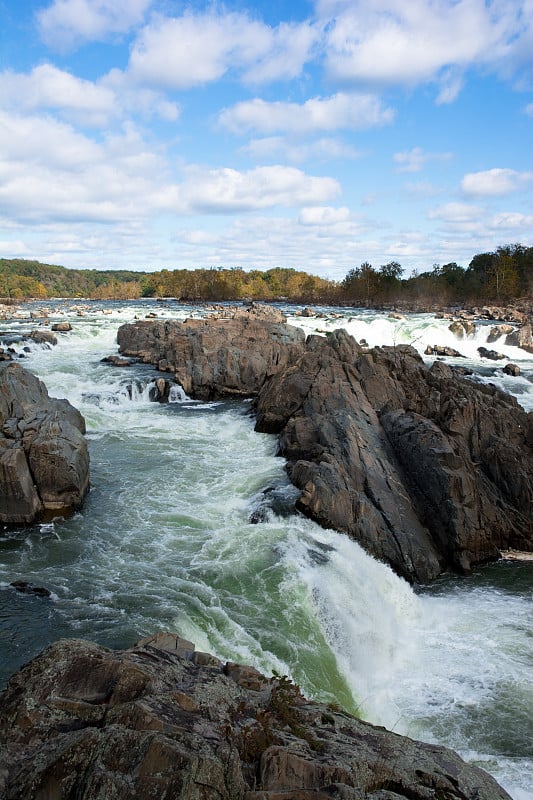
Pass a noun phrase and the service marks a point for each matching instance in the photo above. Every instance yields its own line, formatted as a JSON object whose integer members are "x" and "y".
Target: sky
{"x": 151, "y": 134}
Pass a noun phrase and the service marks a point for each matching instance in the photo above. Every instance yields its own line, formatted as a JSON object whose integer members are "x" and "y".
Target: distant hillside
{"x": 21, "y": 279}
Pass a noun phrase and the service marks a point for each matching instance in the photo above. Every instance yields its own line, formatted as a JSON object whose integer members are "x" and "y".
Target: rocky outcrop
{"x": 425, "y": 469}
{"x": 163, "y": 721}
{"x": 214, "y": 358}
{"x": 523, "y": 337}
{"x": 44, "y": 461}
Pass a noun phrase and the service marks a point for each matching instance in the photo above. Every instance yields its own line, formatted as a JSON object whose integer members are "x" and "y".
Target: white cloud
{"x": 78, "y": 100}
{"x": 512, "y": 221}
{"x": 47, "y": 87}
{"x": 187, "y": 51}
{"x": 68, "y": 23}
{"x": 457, "y": 213}
{"x": 349, "y": 111}
{"x": 415, "y": 159}
{"x": 323, "y": 215}
{"x": 388, "y": 42}
{"x": 496, "y": 181}
{"x": 49, "y": 171}
{"x": 278, "y": 148}
{"x": 223, "y": 191}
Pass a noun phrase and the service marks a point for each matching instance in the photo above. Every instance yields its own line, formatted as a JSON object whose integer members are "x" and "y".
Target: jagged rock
{"x": 416, "y": 464}
{"x": 210, "y": 357}
{"x": 162, "y": 721}
{"x": 523, "y": 337}
{"x": 493, "y": 355}
{"x": 44, "y": 461}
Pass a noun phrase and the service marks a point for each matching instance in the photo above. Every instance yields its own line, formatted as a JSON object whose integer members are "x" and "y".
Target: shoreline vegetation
{"x": 503, "y": 276}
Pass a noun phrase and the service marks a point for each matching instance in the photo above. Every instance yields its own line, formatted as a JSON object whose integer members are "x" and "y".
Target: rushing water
{"x": 165, "y": 541}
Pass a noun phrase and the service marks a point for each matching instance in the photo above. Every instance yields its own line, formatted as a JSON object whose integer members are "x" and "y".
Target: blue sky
{"x": 150, "y": 134}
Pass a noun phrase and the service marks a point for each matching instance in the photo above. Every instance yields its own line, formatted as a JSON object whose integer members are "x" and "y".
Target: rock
{"x": 497, "y": 331}
{"x": 491, "y": 354}
{"x": 462, "y": 328}
{"x": 44, "y": 460}
{"x": 43, "y": 337}
{"x": 214, "y": 357}
{"x": 512, "y": 369}
{"x": 62, "y": 327}
{"x": 523, "y": 337}
{"x": 117, "y": 361}
{"x": 28, "y": 588}
{"x": 416, "y": 464}
{"x": 158, "y": 721}
{"x": 440, "y": 350}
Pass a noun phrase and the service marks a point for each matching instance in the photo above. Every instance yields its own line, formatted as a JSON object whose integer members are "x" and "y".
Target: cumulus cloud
{"x": 194, "y": 49}
{"x": 47, "y": 87}
{"x": 68, "y": 23}
{"x": 224, "y": 191}
{"x": 351, "y": 111}
{"x": 415, "y": 159}
{"x": 78, "y": 100}
{"x": 392, "y": 42}
{"x": 495, "y": 181}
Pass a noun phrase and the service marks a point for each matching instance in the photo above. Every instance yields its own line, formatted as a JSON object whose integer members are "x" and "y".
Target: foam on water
{"x": 165, "y": 540}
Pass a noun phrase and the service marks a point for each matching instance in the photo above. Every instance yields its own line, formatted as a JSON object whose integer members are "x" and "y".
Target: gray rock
{"x": 44, "y": 460}
{"x": 162, "y": 721}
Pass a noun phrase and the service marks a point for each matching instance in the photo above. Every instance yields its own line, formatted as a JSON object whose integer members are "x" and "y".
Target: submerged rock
{"x": 44, "y": 460}
{"x": 163, "y": 721}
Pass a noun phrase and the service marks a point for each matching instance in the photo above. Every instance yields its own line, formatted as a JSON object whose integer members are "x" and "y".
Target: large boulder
{"x": 425, "y": 469}
{"x": 44, "y": 460}
{"x": 214, "y": 357}
{"x": 163, "y": 721}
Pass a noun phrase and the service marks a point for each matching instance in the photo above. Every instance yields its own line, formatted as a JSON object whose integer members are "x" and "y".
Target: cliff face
{"x": 162, "y": 721}
{"x": 44, "y": 459}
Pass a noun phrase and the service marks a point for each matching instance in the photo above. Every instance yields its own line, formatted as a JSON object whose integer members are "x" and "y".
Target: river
{"x": 165, "y": 541}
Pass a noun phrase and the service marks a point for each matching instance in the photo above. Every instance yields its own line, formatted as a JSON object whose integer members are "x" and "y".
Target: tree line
{"x": 498, "y": 276}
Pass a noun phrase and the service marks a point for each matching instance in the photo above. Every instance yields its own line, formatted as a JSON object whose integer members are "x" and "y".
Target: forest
{"x": 498, "y": 276}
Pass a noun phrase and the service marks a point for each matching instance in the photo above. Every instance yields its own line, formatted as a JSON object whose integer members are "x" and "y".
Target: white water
{"x": 164, "y": 541}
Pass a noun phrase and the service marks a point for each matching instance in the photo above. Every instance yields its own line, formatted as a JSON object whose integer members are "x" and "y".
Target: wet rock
{"x": 462, "y": 328}
{"x": 493, "y": 355}
{"x": 512, "y": 369}
{"x": 497, "y": 331}
{"x": 440, "y": 350}
{"x": 28, "y": 588}
{"x": 117, "y": 361}
{"x": 161, "y": 721}
{"x": 62, "y": 327}
{"x": 523, "y": 337}
{"x": 43, "y": 337}
{"x": 44, "y": 461}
